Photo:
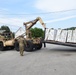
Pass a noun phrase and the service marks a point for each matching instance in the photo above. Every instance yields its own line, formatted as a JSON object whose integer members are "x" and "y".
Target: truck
{"x": 56, "y": 36}
{"x": 32, "y": 43}
{"x": 6, "y": 40}
{"x": 51, "y": 36}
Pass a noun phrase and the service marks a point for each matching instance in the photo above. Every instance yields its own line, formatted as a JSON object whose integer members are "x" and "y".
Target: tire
{"x": 9, "y": 47}
{"x": 39, "y": 46}
{"x": 1, "y": 46}
{"x": 12, "y": 47}
{"x": 16, "y": 46}
{"x": 29, "y": 47}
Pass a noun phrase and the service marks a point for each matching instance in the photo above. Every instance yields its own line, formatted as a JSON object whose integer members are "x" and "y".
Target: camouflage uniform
{"x": 21, "y": 45}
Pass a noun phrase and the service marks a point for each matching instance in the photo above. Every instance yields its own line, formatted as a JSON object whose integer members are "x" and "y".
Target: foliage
{"x": 71, "y": 28}
{"x": 5, "y": 28}
{"x": 37, "y": 32}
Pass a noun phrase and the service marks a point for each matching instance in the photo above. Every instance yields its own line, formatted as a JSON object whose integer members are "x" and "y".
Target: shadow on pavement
{"x": 64, "y": 49}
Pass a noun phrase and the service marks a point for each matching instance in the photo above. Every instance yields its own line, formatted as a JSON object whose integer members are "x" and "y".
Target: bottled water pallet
{"x": 60, "y": 37}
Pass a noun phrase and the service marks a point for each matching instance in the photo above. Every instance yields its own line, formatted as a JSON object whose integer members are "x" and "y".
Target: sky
{"x": 54, "y": 13}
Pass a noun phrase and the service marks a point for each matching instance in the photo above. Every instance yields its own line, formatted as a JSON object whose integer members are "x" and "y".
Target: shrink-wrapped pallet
{"x": 74, "y": 36}
{"x": 58, "y": 34}
{"x": 47, "y": 33}
{"x": 52, "y": 34}
{"x": 63, "y": 36}
{"x": 69, "y": 35}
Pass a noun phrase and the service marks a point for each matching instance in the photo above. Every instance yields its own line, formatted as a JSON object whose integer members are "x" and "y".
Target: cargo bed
{"x": 60, "y": 43}
{"x": 60, "y": 37}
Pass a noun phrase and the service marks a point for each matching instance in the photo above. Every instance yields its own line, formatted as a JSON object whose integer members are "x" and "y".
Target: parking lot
{"x": 52, "y": 60}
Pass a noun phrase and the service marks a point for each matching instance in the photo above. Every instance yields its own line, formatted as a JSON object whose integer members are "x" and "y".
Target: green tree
{"x": 71, "y": 28}
{"x": 5, "y": 28}
{"x": 37, "y": 32}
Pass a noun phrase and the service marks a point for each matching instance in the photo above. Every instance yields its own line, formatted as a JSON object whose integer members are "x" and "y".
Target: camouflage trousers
{"x": 21, "y": 48}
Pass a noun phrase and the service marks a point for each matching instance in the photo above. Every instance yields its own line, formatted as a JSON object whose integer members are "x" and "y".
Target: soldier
{"x": 21, "y": 45}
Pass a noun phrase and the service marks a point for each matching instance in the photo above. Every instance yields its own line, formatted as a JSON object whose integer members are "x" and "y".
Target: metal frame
{"x": 57, "y": 42}
{"x": 60, "y": 43}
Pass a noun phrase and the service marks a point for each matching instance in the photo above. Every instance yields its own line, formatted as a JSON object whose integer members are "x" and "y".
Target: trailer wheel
{"x": 39, "y": 46}
{"x": 1, "y": 46}
{"x": 29, "y": 46}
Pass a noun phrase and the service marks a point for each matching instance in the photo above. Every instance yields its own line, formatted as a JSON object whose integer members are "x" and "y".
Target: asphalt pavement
{"x": 52, "y": 60}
